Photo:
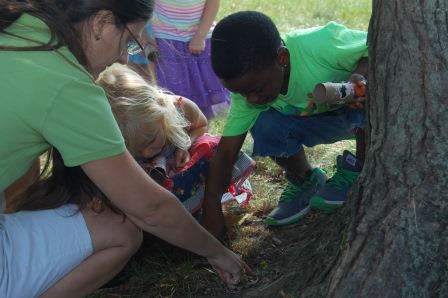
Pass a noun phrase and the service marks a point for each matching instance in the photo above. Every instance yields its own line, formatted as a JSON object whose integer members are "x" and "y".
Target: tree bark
{"x": 392, "y": 236}
{"x": 398, "y": 237}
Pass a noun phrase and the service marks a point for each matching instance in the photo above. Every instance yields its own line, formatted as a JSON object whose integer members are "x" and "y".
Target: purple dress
{"x": 190, "y": 76}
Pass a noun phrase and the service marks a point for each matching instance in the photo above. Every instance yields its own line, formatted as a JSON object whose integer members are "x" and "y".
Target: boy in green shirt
{"x": 271, "y": 79}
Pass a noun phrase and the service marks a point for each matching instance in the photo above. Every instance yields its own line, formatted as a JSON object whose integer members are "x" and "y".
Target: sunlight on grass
{"x": 293, "y": 14}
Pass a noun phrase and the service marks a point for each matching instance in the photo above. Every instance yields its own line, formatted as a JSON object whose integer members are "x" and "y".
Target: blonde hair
{"x": 135, "y": 102}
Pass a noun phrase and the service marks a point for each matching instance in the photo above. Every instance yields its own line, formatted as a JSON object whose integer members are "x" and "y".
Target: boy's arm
{"x": 198, "y": 126}
{"x": 197, "y": 43}
{"x": 218, "y": 180}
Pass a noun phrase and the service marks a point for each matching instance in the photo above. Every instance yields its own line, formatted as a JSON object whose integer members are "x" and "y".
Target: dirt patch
{"x": 276, "y": 256}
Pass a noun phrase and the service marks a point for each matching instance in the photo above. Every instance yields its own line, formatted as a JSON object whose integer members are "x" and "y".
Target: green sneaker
{"x": 294, "y": 201}
{"x": 334, "y": 193}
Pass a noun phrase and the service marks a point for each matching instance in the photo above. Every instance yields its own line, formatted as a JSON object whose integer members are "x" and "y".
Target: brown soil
{"x": 277, "y": 257}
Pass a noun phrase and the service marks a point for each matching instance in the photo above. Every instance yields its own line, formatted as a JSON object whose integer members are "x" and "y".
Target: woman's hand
{"x": 196, "y": 45}
{"x": 159, "y": 212}
{"x": 229, "y": 266}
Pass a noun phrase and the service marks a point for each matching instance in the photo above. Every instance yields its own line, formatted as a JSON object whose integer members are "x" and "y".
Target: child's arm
{"x": 198, "y": 125}
{"x": 218, "y": 179}
{"x": 198, "y": 121}
{"x": 197, "y": 43}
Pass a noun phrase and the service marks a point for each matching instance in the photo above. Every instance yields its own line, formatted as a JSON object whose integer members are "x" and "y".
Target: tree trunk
{"x": 395, "y": 243}
{"x": 398, "y": 238}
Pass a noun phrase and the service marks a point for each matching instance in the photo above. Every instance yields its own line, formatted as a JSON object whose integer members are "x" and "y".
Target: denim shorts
{"x": 279, "y": 135}
{"x": 38, "y": 248}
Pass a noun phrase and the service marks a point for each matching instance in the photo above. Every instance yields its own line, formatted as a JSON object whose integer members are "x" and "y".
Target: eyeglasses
{"x": 135, "y": 47}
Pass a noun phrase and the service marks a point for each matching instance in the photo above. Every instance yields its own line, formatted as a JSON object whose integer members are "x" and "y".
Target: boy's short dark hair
{"x": 243, "y": 42}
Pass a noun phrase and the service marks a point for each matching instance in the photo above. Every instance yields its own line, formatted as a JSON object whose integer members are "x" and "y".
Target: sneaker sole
{"x": 270, "y": 221}
{"x": 323, "y": 205}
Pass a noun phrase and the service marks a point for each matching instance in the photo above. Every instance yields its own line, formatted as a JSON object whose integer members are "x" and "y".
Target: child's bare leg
{"x": 114, "y": 240}
{"x": 296, "y": 165}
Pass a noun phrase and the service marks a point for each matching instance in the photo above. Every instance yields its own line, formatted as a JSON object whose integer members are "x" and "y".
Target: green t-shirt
{"x": 322, "y": 54}
{"x": 48, "y": 99}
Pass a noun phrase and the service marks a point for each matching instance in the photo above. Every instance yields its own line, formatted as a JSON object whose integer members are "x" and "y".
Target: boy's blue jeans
{"x": 279, "y": 135}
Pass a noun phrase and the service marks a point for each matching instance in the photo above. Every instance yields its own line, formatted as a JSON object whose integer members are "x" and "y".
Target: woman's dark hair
{"x": 63, "y": 185}
{"x": 243, "y": 42}
{"x": 61, "y": 16}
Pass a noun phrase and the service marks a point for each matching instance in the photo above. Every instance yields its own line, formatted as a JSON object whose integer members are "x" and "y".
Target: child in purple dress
{"x": 182, "y": 30}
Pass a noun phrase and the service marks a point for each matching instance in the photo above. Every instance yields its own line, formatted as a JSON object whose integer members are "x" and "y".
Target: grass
{"x": 292, "y": 14}
{"x": 160, "y": 270}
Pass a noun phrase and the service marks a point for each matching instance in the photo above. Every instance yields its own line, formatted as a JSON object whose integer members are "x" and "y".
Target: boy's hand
{"x": 361, "y": 83}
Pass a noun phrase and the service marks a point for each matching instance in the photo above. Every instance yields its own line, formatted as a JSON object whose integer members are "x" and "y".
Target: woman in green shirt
{"x": 50, "y": 53}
